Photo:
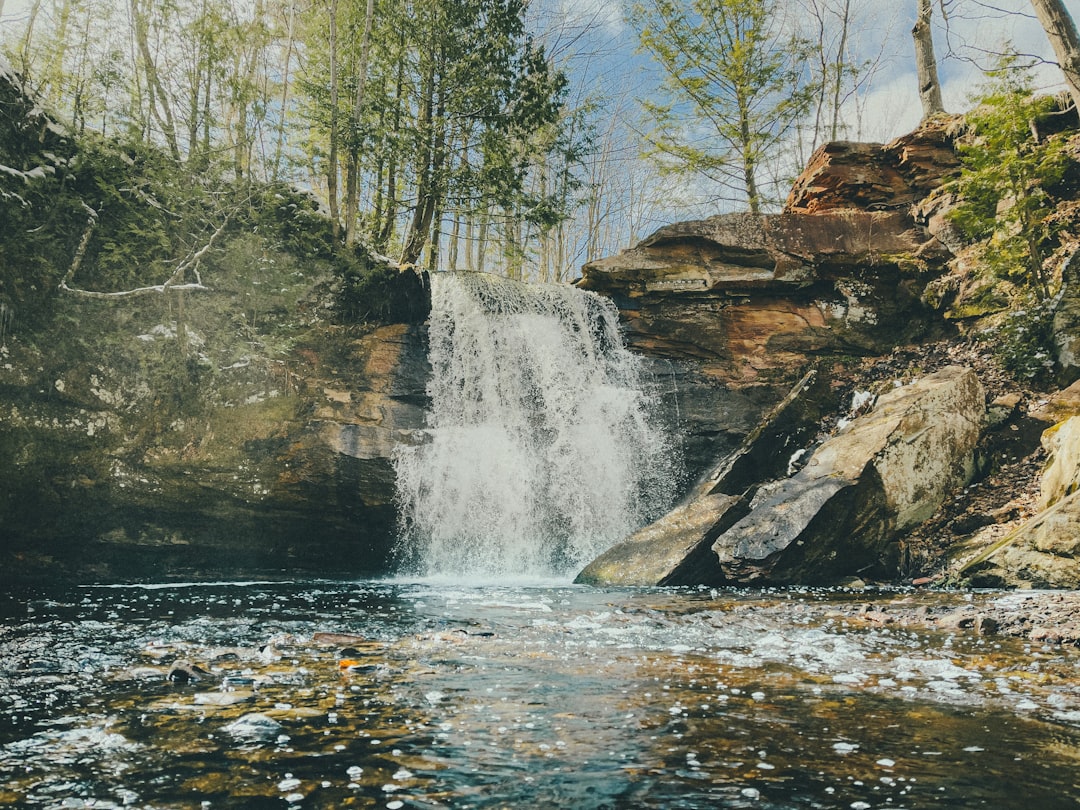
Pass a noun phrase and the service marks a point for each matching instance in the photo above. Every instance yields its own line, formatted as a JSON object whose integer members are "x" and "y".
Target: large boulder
{"x": 672, "y": 551}
{"x": 1042, "y": 553}
{"x": 841, "y": 514}
{"x": 888, "y": 471}
{"x": 874, "y": 176}
{"x": 676, "y": 549}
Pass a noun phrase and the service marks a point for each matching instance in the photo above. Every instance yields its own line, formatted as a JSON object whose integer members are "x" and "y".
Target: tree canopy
{"x": 473, "y": 134}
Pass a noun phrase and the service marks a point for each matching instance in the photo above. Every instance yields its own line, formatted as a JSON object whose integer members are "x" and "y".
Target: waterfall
{"x": 542, "y": 446}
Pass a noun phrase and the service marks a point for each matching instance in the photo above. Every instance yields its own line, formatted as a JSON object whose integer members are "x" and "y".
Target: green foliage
{"x": 736, "y": 88}
{"x": 457, "y": 115}
{"x": 371, "y": 292}
{"x": 290, "y": 218}
{"x": 1004, "y": 180}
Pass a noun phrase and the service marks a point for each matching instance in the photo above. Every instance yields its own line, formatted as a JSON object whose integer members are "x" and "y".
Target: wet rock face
{"x": 120, "y": 459}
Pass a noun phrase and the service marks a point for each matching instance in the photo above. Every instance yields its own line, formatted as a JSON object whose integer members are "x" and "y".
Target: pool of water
{"x": 424, "y": 695}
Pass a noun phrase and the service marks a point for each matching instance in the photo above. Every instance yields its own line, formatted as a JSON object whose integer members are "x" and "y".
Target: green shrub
{"x": 1004, "y": 179}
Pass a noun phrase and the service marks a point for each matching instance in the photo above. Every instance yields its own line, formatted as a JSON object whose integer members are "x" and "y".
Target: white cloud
{"x": 607, "y": 14}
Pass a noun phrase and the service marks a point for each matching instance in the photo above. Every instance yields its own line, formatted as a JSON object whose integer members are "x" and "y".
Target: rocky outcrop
{"x": 130, "y": 447}
{"x": 735, "y": 308}
{"x": 877, "y": 177}
{"x": 839, "y": 515}
{"x": 1043, "y": 551}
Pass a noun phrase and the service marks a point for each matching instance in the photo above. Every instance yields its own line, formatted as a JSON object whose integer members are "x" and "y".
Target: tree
{"x": 485, "y": 84}
{"x": 842, "y": 65}
{"x": 1061, "y": 31}
{"x": 735, "y": 88}
{"x": 1004, "y": 180}
{"x": 926, "y": 63}
{"x": 352, "y": 170}
{"x": 335, "y": 134}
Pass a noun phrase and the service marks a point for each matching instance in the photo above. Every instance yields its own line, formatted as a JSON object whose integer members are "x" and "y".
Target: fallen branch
{"x": 132, "y": 293}
{"x": 172, "y": 284}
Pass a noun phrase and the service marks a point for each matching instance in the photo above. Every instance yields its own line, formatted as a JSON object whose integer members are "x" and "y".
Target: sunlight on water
{"x": 542, "y": 445}
{"x": 417, "y": 695}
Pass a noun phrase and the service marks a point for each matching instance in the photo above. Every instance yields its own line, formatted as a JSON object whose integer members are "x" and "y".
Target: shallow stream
{"x": 436, "y": 695}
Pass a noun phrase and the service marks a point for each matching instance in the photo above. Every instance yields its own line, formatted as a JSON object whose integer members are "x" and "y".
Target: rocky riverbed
{"x": 335, "y": 694}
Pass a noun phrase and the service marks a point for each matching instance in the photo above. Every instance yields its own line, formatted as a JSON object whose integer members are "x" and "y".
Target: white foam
{"x": 541, "y": 448}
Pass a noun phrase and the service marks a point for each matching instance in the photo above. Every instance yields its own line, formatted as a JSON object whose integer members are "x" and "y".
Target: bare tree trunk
{"x": 156, "y": 93}
{"x": 286, "y": 84}
{"x": 417, "y": 230}
{"x": 470, "y": 243}
{"x": 243, "y": 93}
{"x": 385, "y": 230}
{"x": 1061, "y": 31}
{"x": 28, "y": 37}
{"x": 749, "y": 159}
{"x": 435, "y": 239}
{"x": 481, "y": 240}
{"x": 332, "y": 159}
{"x": 352, "y": 171}
{"x": 838, "y": 68}
{"x": 455, "y": 240}
{"x": 926, "y": 63}
{"x": 431, "y": 165}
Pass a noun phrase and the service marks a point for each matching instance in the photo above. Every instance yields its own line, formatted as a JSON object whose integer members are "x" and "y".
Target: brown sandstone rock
{"x": 875, "y": 177}
{"x": 754, "y": 298}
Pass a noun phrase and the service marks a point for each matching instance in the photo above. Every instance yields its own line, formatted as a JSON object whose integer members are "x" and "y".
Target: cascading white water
{"x": 542, "y": 445}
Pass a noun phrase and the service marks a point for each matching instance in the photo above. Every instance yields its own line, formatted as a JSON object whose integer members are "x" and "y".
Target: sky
{"x": 605, "y": 47}
{"x": 592, "y": 41}
{"x": 964, "y": 43}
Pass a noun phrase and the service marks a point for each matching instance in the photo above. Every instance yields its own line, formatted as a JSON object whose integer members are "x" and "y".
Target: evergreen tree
{"x": 1004, "y": 179}
{"x": 735, "y": 89}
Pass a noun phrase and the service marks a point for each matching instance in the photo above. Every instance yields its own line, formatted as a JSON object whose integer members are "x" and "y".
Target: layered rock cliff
{"x": 862, "y": 260}
{"x": 737, "y": 307}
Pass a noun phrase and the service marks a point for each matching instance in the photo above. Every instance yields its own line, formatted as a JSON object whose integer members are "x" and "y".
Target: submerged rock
{"x": 183, "y": 672}
{"x": 253, "y": 727}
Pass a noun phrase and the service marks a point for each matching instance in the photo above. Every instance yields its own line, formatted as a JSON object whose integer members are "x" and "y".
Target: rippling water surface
{"x": 435, "y": 695}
